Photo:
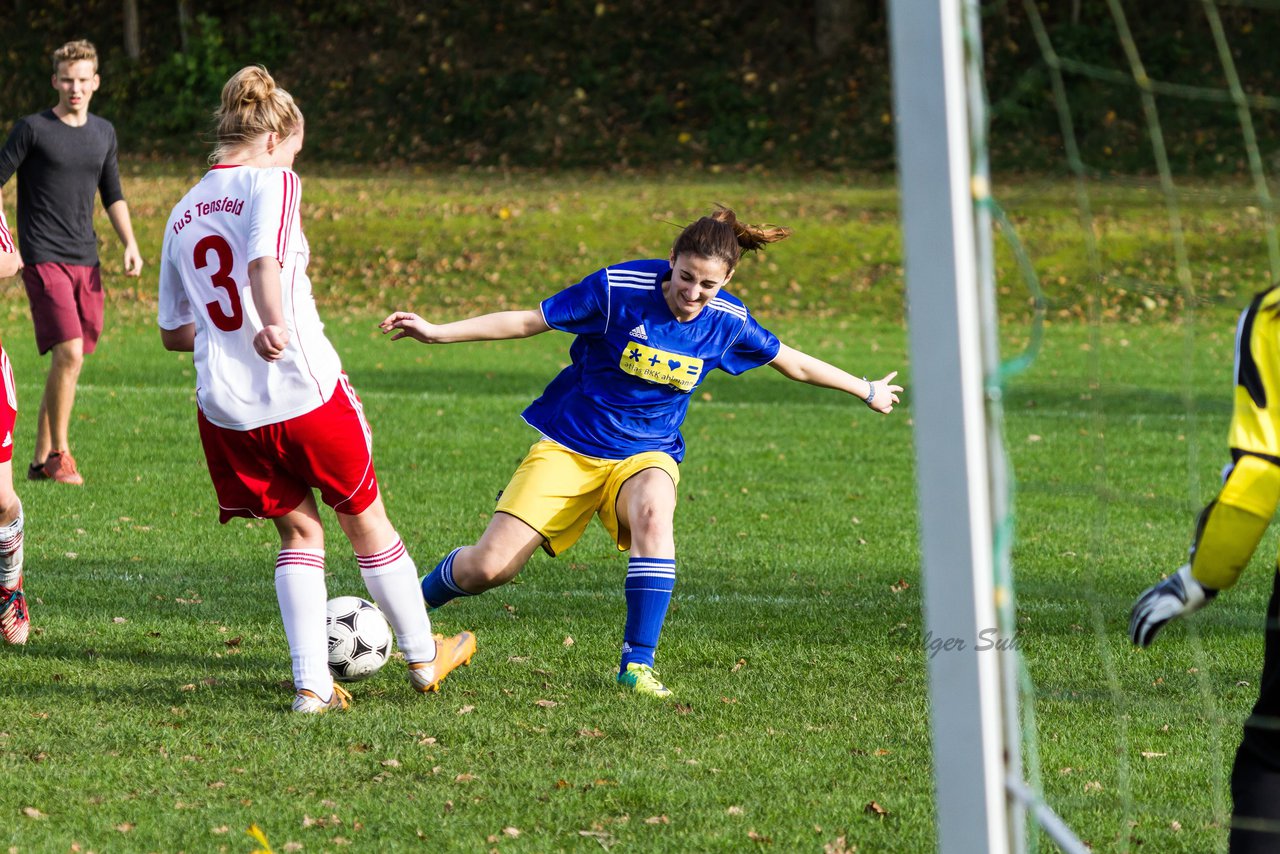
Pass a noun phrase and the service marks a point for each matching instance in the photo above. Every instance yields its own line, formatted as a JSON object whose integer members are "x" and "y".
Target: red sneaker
{"x": 61, "y": 466}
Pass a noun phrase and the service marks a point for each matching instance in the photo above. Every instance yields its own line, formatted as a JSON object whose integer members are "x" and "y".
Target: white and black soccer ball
{"x": 359, "y": 638}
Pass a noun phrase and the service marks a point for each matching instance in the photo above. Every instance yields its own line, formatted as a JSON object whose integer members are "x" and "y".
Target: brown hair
{"x": 721, "y": 235}
{"x": 252, "y": 105}
{"x": 74, "y": 52}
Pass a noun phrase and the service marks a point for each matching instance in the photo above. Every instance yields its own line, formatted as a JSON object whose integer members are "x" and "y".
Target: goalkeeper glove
{"x": 1177, "y": 595}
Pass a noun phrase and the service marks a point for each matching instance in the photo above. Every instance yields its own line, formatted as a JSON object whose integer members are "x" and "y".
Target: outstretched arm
{"x": 880, "y": 394}
{"x": 498, "y": 326}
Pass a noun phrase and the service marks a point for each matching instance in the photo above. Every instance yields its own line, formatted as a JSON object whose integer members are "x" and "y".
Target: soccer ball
{"x": 359, "y": 639}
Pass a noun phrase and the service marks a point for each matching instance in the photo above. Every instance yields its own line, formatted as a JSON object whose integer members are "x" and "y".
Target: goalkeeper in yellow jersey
{"x": 1227, "y": 532}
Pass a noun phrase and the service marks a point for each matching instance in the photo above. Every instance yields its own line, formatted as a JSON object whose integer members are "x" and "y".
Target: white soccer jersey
{"x": 235, "y": 215}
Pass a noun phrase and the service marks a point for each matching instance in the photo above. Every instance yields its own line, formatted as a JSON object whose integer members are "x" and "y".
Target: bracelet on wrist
{"x": 871, "y": 390}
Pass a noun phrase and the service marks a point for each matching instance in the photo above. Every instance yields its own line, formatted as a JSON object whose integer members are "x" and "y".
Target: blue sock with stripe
{"x": 439, "y": 588}
{"x": 650, "y": 581}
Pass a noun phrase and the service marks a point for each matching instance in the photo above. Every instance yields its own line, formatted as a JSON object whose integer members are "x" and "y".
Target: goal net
{"x": 1072, "y": 320}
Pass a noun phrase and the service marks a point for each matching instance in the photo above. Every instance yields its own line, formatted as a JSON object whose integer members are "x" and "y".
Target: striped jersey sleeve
{"x": 274, "y": 216}
{"x": 752, "y": 345}
{"x": 6, "y": 238}
{"x": 581, "y": 309}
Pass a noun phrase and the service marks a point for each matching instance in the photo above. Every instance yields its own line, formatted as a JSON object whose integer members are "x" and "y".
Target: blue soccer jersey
{"x": 634, "y": 365}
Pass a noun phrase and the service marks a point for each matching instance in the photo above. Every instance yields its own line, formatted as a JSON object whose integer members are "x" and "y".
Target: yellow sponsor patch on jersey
{"x": 657, "y": 366}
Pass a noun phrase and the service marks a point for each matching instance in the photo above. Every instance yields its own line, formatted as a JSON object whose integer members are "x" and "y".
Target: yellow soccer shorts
{"x": 1231, "y": 527}
{"x": 556, "y": 492}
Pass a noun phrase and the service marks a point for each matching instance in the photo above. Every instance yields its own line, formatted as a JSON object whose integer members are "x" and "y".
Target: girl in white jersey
{"x": 15, "y": 619}
{"x": 277, "y": 416}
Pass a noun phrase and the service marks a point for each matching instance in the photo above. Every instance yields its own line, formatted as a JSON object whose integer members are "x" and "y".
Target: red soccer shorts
{"x": 8, "y": 407}
{"x": 66, "y": 302}
{"x": 268, "y": 471}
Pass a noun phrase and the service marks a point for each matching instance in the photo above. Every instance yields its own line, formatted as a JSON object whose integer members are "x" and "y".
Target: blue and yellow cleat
{"x": 641, "y": 679}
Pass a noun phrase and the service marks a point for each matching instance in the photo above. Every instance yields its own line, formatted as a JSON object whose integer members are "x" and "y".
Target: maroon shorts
{"x": 66, "y": 303}
{"x": 8, "y": 407}
{"x": 268, "y": 471}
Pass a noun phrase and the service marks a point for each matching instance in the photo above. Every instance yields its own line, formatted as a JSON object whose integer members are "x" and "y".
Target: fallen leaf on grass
{"x": 759, "y": 837}
{"x": 513, "y": 832}
{"x": 874, "y": 808}
{"x": 546, "y": 704}
{"x": 391, "y": 763}
{"x": 899, "y": 585}
{"x": 259, "y": 837}
{"x": 125, "y": 827}
{"x": 32, "y": 812}
{"x": 839, "y": 846}
{"x": 568, "y": 641}
{"x": 119, "y": 619}
{"x": 657, "y": 819}
{"x": 220, "y": 829}
{"x": 235, "y": 641}
{"x": 591, "y": 733}
{"x": 464, "y": 778}
{"x": 742, "y": 662}
{"x": 1149, "y": 754}
{"x": 466, "y": 710}
{"x": 734, "y": 810}
{"x": 605, "y": 839}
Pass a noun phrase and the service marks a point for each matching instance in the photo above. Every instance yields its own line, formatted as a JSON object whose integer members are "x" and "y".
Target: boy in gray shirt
{"x": 62, "y": 157}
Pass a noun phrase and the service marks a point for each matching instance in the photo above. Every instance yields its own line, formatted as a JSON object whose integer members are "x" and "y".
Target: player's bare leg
{"x": 53, "y": 422}
{"x": 646, "y": 508}
{"x": 497, "y": 557}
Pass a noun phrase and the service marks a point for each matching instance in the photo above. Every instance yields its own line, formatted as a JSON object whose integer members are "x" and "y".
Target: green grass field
{"x": 148, "y": 712}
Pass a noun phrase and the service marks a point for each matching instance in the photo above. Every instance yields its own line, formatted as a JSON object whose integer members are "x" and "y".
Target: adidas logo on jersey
{"x": 639, "y": 332}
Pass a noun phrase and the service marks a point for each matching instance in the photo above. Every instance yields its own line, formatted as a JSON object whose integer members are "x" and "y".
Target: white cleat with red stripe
{"x": 15, "y": 621}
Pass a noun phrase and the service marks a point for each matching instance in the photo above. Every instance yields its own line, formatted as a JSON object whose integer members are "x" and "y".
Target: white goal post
{"x": 939, "y": 113}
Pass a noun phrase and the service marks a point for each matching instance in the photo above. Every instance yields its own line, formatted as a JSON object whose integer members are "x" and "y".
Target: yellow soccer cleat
{"x": 641, "y": 679}
{"x": 451, "y": 653}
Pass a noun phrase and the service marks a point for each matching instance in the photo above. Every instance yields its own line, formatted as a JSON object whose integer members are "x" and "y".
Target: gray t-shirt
{"x": 59, "y": 168}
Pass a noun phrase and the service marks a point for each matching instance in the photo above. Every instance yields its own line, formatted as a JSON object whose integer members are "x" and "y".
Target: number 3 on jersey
{"x": 220, "y": 279}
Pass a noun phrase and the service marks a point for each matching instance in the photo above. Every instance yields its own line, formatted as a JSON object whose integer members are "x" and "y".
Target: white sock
{"x": 392, "y": 580}
{"x": 300, "y": 589}
{"x": 11, "y": 552}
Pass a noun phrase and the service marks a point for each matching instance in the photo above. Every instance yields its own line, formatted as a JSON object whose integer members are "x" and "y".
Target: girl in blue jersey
{"x": 648, "y": 332}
